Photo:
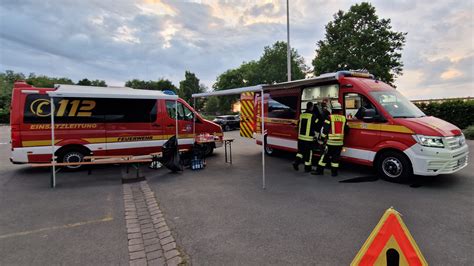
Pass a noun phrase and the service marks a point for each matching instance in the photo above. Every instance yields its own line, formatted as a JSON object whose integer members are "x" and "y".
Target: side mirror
{"x": 369, "y": 115}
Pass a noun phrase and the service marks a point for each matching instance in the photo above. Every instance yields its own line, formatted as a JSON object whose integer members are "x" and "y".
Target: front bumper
{"x": 429, "y": 161}
{"x": 219, "y": 143}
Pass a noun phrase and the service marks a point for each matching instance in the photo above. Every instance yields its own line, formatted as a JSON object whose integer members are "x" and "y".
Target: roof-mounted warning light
{"x": 354, "y": 73}
{"x": 169, "y": 92}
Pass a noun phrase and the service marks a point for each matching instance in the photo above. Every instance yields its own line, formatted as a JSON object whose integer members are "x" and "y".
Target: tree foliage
{"x": 358, "y": 39}
{"x": 273, "y": 64}
{"x": 159, "y": 85}
{"x": 43, "y": 81}
{"x": 189, "y": 86}
{"x": 457, "y": 112}
{"x": 8, "y": 77}
{"x": 270, "y": 68}
{"x": 97, "y": 83}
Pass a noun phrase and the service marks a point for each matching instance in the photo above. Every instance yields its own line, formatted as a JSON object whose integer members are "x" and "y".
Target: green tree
{"x": 99, "y": 83}
{"x": 270, "y": 68}
{"x": 84, "y": 82}
{"x": 273, "y": 64}
{"x": 212, "y": 105}
{"x": 6, "y": 86}
{"x": 161, "y": 84}
{"x": 233, "y": 78}
{"x": 165, "y": 84}
{"x": 43, "y": 81}
{"x": 358, "y": 39}
{"x": 189, "y": 86}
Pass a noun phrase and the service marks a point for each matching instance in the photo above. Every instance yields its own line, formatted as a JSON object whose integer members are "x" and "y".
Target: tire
{"x": 227, "y": 128}
{"x": 268, "y": 150}
{"x": 394, "y": 167}
{"x": 209, "y": 149}
{"x": 71, "y": 155}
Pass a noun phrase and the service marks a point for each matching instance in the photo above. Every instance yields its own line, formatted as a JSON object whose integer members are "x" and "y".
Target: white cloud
{"x": 120, "y": 40}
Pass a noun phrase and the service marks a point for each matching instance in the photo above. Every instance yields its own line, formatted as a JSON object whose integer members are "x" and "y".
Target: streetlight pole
{"x": 288, "y": 48}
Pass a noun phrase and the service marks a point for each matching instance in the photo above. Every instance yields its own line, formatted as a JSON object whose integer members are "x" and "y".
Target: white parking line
{"x": 4, "y": 143}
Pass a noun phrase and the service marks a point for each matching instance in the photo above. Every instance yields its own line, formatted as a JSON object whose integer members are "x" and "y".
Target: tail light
{"x": 15, "y": 136}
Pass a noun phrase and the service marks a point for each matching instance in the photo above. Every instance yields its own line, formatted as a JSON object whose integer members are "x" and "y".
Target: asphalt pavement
{"x": 78, "y": 223}
{"x": 224, "y": 217}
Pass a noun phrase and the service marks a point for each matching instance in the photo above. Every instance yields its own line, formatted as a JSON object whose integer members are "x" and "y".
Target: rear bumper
{"x": 435, "y": 161}
{"x": 19, "y": 156}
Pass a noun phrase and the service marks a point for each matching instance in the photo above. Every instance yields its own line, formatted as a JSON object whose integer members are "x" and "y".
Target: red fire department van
{"x": 386, "y": 130}
{"x": 107, "y": 121}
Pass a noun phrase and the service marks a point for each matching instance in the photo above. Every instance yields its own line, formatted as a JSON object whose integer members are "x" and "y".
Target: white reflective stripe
{"x": 358, "y": 154}
{"x": 287, "y": 143}
{"x": 141, "y": 144}
{"x": 21, "y": 154}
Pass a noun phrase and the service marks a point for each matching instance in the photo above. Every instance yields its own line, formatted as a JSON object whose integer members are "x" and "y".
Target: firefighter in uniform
{"x": 333, "y": 131}
{"x": 306, "y": 133}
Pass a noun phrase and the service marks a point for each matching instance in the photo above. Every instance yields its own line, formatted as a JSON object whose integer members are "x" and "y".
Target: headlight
{"x": 462, "y": 140}
{"x": 428, "y": 141}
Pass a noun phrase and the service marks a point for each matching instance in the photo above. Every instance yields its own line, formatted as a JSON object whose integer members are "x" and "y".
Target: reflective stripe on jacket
{"x": 306, "y": 127}
{"x": 335, "y": 126}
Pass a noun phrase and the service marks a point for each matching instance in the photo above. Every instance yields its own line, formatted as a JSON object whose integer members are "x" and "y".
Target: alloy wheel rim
{"x": 392, "y": 167}
{"x": 73, "y": 157}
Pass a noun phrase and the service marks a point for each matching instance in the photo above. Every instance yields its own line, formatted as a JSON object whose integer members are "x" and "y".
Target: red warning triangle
{"x": 389, "y": 241}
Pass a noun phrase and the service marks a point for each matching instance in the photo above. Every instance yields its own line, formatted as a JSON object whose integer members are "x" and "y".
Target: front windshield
{"x": 396, "y": 104}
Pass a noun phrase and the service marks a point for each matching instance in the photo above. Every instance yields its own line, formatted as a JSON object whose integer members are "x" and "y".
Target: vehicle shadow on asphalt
{"x": 367, "y": 174}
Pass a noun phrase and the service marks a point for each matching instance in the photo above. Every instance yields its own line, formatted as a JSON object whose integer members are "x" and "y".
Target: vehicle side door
{"x": 129, "y": 126}
{"x": 363, "y": 135}
{"x": 282, "y": 119}
{"x": 185, "y": 122}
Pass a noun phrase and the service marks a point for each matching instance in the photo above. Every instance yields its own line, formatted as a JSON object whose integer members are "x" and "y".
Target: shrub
{"x": 469, "y": 132}
{"x": 4, "y": 116}
{"x": 457, "y": 112}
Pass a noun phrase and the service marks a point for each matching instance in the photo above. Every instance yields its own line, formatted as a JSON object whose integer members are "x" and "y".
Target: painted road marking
{"x": 107, "y": 218}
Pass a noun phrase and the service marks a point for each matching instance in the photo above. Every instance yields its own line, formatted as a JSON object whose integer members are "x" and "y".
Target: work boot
{"x": 333, "y": 171}
{"x": 319, "y": 171}
{"x": 295, "y": 166}
{"x": 307, "y": 168}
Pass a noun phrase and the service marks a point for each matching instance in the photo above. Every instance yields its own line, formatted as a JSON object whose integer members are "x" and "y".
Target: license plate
{"x": 461, "y": 161}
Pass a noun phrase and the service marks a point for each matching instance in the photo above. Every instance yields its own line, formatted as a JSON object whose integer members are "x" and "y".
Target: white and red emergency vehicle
{"x": 101, "y": 121}
{"x": 386, "y": 130}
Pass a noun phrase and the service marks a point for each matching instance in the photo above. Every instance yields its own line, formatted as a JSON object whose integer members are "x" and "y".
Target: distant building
{"x": 428, "y": 101}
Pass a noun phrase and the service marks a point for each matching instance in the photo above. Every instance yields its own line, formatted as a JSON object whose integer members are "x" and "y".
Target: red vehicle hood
{"x": 430, "y": 126}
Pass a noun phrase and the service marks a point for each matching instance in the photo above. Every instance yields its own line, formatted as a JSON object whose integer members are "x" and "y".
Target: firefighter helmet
{"x": 336, "y": 106}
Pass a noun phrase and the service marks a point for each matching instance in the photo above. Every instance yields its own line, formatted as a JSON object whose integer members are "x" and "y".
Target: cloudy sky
{"x": 117, "y": 40}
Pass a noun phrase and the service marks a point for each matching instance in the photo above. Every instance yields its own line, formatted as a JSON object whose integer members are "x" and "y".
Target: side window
{"x": 355, "y": 104}
{"x": 183, "y": 112}
{"x": 282, "y": 107}
{"x": 188, "y": 115}
{"x": 171, "y": 109}
{"x": 130, "y": 110}
{"x": 318, "y": 93}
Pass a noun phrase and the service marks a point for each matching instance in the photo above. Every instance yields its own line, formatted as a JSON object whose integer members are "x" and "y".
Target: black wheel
{"x": 208, "y": 149}
{"x": 71, "y": 156}
{"x": 227, "y": 128}
{"x": 268, "y": 150}
{"x": 394, "y": 166}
